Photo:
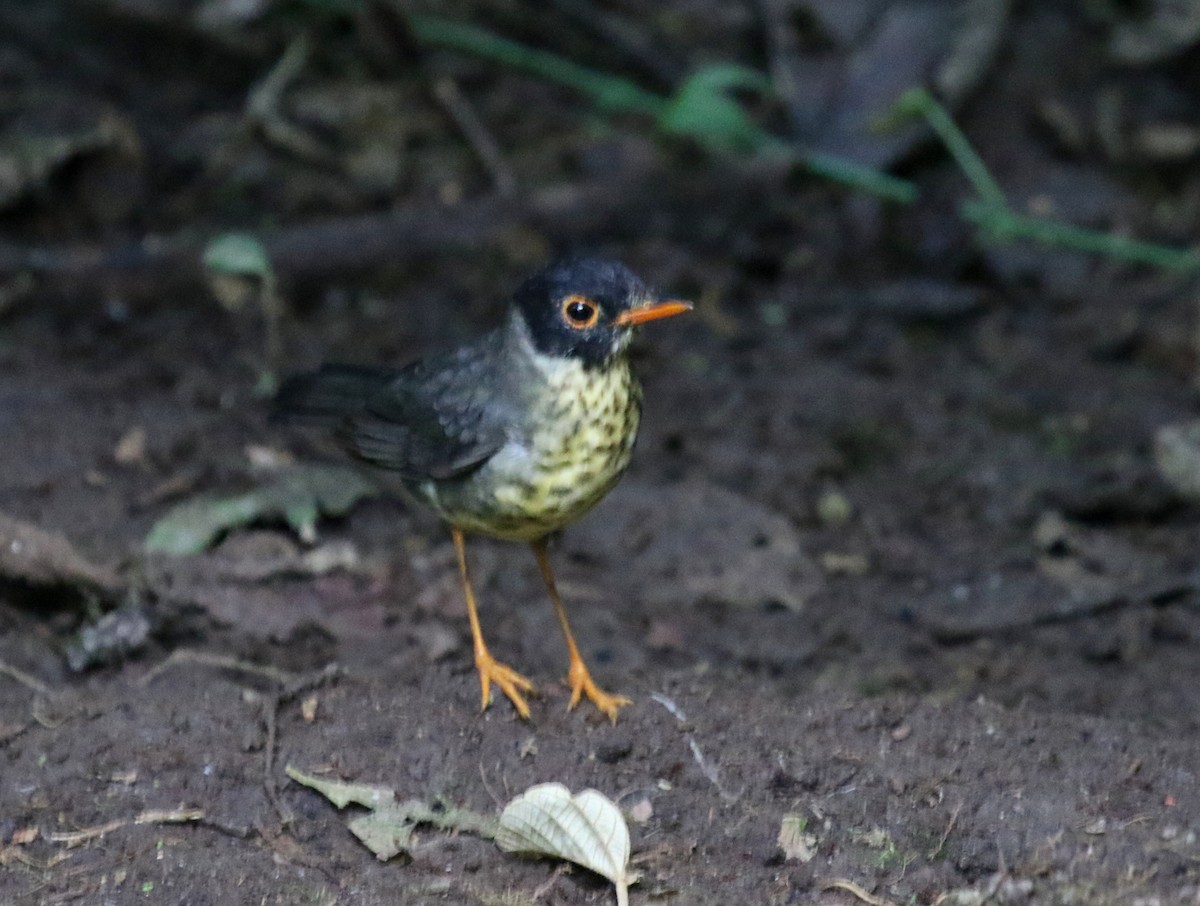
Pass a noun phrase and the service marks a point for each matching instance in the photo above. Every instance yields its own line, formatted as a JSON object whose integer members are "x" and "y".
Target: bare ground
{"x": 893, "y": 556}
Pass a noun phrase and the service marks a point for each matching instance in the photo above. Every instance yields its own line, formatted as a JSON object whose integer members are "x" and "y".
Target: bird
{"x": 513, "y": 435}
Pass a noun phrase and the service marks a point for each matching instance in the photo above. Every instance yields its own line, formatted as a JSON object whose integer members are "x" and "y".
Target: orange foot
{"x": 582, "y": 684}
{"x": 506, "y": 679}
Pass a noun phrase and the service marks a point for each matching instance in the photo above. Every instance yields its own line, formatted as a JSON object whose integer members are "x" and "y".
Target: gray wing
{"x": 435, "y": 419}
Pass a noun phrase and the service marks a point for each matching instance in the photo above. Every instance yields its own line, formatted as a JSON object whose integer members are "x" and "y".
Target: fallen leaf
{"x": 387, "y": 829}
{"x": 343, "y": 793}
{"x": 797, "y": 844}
{"x": 298, "y": 497}
{"x": 587, "y": 829}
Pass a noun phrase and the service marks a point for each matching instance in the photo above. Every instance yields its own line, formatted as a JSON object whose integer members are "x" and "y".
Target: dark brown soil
{"x": 893, "y": 555}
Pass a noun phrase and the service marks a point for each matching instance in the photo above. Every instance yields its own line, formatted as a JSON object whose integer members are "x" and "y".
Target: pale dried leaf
{"x": 386, "y": 832}
{"x": 387, "y": 828}
{"x": 342, "y": 793}
{"x": 795, "y": 841}
{"x": 587, "y": 829}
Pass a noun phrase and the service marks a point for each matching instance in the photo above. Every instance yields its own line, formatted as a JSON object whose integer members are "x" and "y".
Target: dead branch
{"x": 571, "y": 213}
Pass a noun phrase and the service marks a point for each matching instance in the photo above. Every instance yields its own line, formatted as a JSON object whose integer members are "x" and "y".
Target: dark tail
{"x": 326, "y": 396}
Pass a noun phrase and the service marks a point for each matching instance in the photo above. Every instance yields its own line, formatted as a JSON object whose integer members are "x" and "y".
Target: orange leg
{"x": 577, "y": 675}
{"x": 490, "y": 670}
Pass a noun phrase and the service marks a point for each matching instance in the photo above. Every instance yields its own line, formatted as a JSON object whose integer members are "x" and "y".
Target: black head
{"x": 586, "y": 308}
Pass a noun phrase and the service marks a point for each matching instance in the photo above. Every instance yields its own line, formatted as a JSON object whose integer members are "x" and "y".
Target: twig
{"x": 707, "y": 768}
{"x": 668, "y": 703}
{"x": 230, "y": 830}
{"x": 548, "y": 885}
{"x": 263, "y": 107}
{"x": 571, "y": 213}
{"x": 941, "y": 844}
{"x": 27, "y": 680}
{"x": 337, "y": 245}
{"x": 270, "y": 708}
{"x": 292, "y": 686}
{"x": 169, "y": 816}
{"x": 388, "y": 35}
{"x": 486, "y": 148}
{"x": 44, "y": 697}
{"x": 150, "y": 816}
{"x": 262, "y": 103}
{"x": 271, "y": 705}
{"x": 487, "y": 787}
{"x": 710, "y": 770}
{"x": 74, "y": 838}
{"x": 1133, "y": 596}
{"x": 856, "y": 891}
{"x": 11, "y": 854}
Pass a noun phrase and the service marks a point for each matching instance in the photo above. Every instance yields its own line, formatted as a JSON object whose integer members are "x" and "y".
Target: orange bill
{"x": 652, "y": 312}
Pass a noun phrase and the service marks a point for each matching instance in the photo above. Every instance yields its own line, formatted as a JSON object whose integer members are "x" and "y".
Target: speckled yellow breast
{"x": 577, "y": 441}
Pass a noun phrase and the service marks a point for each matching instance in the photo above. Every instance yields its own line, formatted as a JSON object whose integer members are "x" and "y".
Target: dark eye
{"x": 580, "y": 312}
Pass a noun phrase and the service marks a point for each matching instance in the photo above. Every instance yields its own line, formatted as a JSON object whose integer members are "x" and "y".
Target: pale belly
{"x": 535, "y": 485}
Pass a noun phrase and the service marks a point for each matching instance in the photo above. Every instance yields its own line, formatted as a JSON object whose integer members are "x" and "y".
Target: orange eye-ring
{"x": 580, "y": 312}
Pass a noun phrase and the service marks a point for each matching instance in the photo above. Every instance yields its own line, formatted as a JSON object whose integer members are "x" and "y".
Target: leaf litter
{"x": 587, "y": 829}
{"x": 389, "y": 825}
{"x": 299, "y": 497}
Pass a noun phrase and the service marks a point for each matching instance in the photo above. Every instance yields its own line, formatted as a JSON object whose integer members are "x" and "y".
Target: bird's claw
{"x": 581, "y": 683}
{"x": 507, "y": 680}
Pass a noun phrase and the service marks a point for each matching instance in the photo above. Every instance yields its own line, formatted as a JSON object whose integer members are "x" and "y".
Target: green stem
{"x": 610, "y": 93}
{"x": 860, "y": 177}
{"x": 1001, "y": 224}
{"x": 918, "y": 101}
{"x": 998, "y": 222}
{"x": 618, "y": 95}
